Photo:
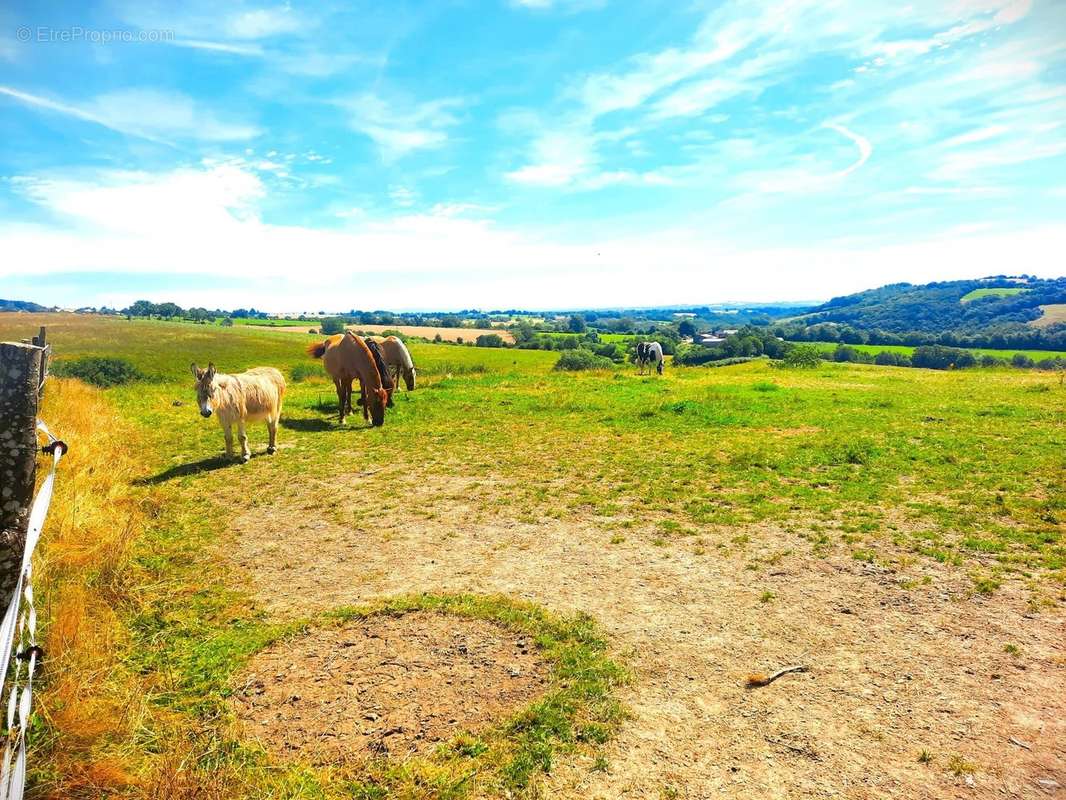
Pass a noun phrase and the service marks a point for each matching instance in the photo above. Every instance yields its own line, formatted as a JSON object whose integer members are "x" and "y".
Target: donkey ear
{"x": 210, "y": 370}
{"x": 196, "y": 373}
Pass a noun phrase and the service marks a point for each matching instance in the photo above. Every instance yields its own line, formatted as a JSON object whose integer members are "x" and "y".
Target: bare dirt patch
{"x": 385, "y": 685}
{"x": 898, "y": 667}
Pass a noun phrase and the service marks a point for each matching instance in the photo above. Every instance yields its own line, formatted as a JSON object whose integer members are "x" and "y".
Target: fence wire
{"x": 21, "y": 629}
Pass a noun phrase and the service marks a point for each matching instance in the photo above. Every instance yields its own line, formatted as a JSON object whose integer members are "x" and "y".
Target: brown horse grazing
{"x": 347, "y": 358}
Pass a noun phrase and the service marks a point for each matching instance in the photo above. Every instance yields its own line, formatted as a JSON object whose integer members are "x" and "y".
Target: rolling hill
{"x": 999, "y": 311}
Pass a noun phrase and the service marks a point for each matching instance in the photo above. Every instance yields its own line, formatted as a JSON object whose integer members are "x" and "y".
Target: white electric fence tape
{"x": 20, "y": 700}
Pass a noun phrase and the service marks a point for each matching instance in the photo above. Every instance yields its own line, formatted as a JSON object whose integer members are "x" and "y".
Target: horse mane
{"x": 381, "y": 384}
{"x": 379, "y": 362}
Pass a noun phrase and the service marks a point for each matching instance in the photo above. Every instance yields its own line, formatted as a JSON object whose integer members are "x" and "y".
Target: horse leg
{"x": 659, "y": 367}
{"x": 340, "y": 398}
{"x": 362, "y": 397}
{"x": 246, "y": 454}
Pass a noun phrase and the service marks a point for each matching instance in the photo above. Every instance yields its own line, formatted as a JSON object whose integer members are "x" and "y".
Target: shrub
{"x": 936, "y": 356}
{"x": 332, "y": 325}
{"x": 227, "y": 322}
{"x": 1022, "y": 361}
{"x": 489, "y": 340}
{"x": 803, "y": 356}
{"x": 302, "y": 372}
{"x": 846, "y": 353}
{"x": 97, "y": 371}
{"x": 888, "y": 358}
{"x": 575, "y": 360}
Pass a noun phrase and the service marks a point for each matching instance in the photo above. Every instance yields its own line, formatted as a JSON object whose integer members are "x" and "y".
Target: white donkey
{"x": 251, "y": 396}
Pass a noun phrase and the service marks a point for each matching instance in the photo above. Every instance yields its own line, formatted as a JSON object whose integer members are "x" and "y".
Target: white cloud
{"x": 218, "y": 47}
{"x": 206, "y": 221}
{"x": 146, "y": 113}
{"x": 399, "y": 126}
{"x": 263, "y": 23}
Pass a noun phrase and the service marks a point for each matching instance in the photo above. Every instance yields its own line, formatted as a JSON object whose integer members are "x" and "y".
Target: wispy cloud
{"x": 400, "y": 126}
{"x": 156, "y": 116}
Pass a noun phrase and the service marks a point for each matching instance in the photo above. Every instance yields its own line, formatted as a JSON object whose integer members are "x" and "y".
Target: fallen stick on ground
{"x": 758, "y": 679}
{"x": 1012, "y": 740}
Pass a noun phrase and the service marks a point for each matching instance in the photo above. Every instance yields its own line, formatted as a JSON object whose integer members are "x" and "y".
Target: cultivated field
{"x": 641, "y": 543}
{"x": 1053, "y": 314}
{"x": 423, "y": 331}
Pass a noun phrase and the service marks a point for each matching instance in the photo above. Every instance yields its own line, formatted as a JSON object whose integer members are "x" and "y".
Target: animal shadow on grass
{"x": 309, "y": 424}
{"x": 192, "y": 468}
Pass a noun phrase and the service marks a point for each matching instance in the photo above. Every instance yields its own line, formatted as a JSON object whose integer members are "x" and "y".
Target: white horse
{"x": 650, "y": 353}
{"x": 251, "y": 396}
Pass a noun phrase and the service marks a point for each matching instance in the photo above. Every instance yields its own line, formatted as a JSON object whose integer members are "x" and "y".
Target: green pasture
{"x": 902, "y": 467}
{"x": 1005, "y": 355}
{"x": 964, "y": 466}
{"x": 996, "y": 291}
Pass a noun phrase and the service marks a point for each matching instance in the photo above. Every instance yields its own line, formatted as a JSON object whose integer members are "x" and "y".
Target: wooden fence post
{"x": 22, "y": 368}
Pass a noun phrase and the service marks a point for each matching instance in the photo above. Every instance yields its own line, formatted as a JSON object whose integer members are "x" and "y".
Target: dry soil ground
{"x": 385, "y": 686}
{"x": 910, "y": 692}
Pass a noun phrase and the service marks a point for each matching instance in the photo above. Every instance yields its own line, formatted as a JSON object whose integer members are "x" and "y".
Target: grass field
{"x": 708, "y": 521}
{"x": 1004, "y": 355}
{"x": 998, "y": 291}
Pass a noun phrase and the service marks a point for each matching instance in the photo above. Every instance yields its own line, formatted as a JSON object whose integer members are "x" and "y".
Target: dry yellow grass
{"x": 91, "y": 707}
{"x": 1053, "y": 314}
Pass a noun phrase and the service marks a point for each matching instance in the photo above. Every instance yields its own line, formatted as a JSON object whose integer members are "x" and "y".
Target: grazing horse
{"x": 248, "y": 397}
{"x": 398, "y": 360}
{"x": 650, "y": 353}
{"x": 347, "y": 358}
{"x": 379, "y": 361}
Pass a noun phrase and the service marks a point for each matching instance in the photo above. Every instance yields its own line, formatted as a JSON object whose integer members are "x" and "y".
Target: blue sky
{"x": 536, "y": 153}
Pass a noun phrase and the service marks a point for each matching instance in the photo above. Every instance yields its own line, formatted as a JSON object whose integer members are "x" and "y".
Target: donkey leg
{"x": 246, "y": 454}
{"x": 227, "y": 431}
{"x": 272, "y": 429}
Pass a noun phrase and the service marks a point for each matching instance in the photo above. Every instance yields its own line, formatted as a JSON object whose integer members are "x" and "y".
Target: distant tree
{"x": 450, "y": 321}
{"x": 227, "y": 322}
{"x": 582, "y": 359}
{"x": 803, "y": 356}
{"x": 687, "y": 328}
{"x": 332, "y": 325}
{"x": 168, "y": 310}
{"x": 576, "y": 324}
{"x": 489, "y": 340}
{"x": 1022, "y": 361}
{"x": 142, "y": 308}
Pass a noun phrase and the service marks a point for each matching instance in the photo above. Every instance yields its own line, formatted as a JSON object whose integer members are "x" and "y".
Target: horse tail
{"x": 318, "y": 349}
